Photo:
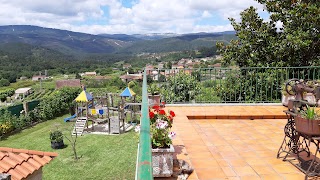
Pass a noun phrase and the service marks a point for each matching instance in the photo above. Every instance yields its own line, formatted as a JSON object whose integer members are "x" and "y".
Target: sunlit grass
{"x": 102, "y": 156}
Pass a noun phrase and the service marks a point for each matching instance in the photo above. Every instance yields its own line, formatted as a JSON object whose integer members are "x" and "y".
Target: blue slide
{"x": 69, "y": 118}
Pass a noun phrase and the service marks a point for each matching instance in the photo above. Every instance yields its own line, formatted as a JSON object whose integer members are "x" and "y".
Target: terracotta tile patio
{"x": 218, "y": 147}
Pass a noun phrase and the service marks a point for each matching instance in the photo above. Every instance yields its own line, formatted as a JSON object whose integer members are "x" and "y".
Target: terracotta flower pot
{"x": 308, "y": 127}
{"x": 162, "y": 162}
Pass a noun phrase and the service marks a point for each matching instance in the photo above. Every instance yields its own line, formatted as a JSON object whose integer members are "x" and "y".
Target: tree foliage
{"x": 6, "y": 93}
{"x": 262, "y": 43}
{"x": 181, "y": 88}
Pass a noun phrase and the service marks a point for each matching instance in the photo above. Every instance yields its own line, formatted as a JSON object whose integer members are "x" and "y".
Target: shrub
{"x": 56, "y": 136}
{"x": 181, "y": 88}
{"x": 7, "y": 122}
{"x": 58, "y": 102}
{"x": 6, "y": 93}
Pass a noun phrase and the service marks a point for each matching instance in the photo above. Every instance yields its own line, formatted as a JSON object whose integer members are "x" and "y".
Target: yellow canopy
{"x": 84, "y": 97}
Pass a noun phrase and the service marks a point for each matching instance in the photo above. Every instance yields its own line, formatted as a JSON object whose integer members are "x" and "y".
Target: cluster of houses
{"x": 185, "y": 65}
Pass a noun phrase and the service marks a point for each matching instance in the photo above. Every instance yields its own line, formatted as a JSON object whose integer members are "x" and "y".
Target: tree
{"x": 260, "y": 43}
{"x": 4, "y": 82}
{"x": 78, "y": 76}
{"x": 169, "y": 65}
{"x": 181, "y": 88}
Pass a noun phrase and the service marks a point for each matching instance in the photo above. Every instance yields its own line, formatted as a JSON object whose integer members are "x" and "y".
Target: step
{"x": 81, "y": 121}
{"x": 80, "y": 124}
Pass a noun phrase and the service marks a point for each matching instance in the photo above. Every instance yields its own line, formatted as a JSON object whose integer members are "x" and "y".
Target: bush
{"x": 58, "y": 102}
{"x": 251, "y": 85}
{"x": 4, "y": 82}
{"x": 181, "y": 88}
{"x": 56, "y": 136}
{"x": 7, "y": 123}
{"x": 6, "y": 93}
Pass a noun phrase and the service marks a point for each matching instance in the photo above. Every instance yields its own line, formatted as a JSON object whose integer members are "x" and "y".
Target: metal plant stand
{"x": 296, "y": 143}
{"x": 289, "y": 143}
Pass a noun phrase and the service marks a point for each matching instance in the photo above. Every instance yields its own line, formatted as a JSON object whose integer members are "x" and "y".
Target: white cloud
{"x": 206, "y": 14}
{"x": 145, "y": 16}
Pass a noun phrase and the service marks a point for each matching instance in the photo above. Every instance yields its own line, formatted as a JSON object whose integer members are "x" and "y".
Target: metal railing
{"x": 144, "y": 159}
{"x": 228, "y": 85}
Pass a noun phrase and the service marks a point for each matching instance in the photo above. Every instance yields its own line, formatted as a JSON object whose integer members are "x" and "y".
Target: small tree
{"x": 181, "y": 88}
{"x": 73, "y": 142}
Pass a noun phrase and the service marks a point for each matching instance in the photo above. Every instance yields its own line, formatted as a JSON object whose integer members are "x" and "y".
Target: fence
{"x": 231, "y": 85}
{"x": 16, "y": 110}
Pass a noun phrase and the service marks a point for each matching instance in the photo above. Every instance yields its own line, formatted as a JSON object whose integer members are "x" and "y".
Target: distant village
{"x": 155, "y": 71}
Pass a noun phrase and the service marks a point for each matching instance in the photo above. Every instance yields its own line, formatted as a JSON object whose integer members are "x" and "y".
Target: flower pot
{"x": 154, "y": 100}
{"x": 308, "y": 127}
{"x": 285, "y": 99}
{"x": 162, "y": 162}
{"x": 57, "y": 145}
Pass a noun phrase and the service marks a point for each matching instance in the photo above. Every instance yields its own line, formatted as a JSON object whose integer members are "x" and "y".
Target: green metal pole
{"x": 145, "y": 155}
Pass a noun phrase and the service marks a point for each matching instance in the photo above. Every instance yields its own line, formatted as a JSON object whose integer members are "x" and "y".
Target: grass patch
{"x": 102, "y": 157}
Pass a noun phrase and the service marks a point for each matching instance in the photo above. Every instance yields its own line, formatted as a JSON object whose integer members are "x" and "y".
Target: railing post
{"x": 144, "y": 164}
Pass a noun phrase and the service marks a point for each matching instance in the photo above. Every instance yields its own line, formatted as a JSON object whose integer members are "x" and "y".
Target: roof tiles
{"x": 20, "y": 163}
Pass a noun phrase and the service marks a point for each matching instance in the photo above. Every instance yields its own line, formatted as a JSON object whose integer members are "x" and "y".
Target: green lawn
{"x": 102, "y": 156}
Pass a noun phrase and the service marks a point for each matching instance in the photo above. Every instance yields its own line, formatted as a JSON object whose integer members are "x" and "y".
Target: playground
{"x": 109, "y": 114}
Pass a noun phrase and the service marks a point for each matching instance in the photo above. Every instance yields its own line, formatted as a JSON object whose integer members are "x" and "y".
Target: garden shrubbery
{"x": 181, "y": 88}
{"x": 53, "y": 105}
{"x": 6, "y": 93}
{"x": 251, "y": 85}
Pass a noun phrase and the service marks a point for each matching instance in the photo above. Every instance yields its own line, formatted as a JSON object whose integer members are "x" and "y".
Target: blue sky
{"x": 127, "y": 16}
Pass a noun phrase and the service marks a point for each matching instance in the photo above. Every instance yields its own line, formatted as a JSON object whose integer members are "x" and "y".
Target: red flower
{"x": 162, "y": 112}
{"x": 172, "y": 113}
{"x": 171, "y": 118}
{"x": 151, "y": 115}
{"x": 156, "y": 107}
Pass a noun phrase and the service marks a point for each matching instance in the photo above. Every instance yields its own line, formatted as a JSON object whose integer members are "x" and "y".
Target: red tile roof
{"x": 20, "y": 163}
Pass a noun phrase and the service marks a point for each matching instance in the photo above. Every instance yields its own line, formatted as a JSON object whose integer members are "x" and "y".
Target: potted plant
{"x": 161, "y": 141}
{"x": 56, "y": 138}
{"x": 154, "y": 94}
{"x": 307, "y": 121}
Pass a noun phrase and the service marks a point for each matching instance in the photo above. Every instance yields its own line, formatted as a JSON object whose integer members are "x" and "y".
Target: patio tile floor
{"x": 232, "y": 148}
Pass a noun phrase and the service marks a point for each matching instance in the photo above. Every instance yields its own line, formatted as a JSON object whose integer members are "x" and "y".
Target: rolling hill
{"x": 61, "y": 40}
{"x": 80, "y": 44}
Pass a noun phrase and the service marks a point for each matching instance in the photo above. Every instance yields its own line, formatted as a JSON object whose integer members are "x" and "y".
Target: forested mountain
{"x": 61, "y": 40}
{"x": 19, "y": 59}
{"x": 178, "y": 43}
{"x": 79, "y": 44}
{"x": 26, "y": 50}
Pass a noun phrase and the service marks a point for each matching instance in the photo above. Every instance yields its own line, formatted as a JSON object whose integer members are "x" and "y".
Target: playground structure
{"x": 107, "y": 113}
